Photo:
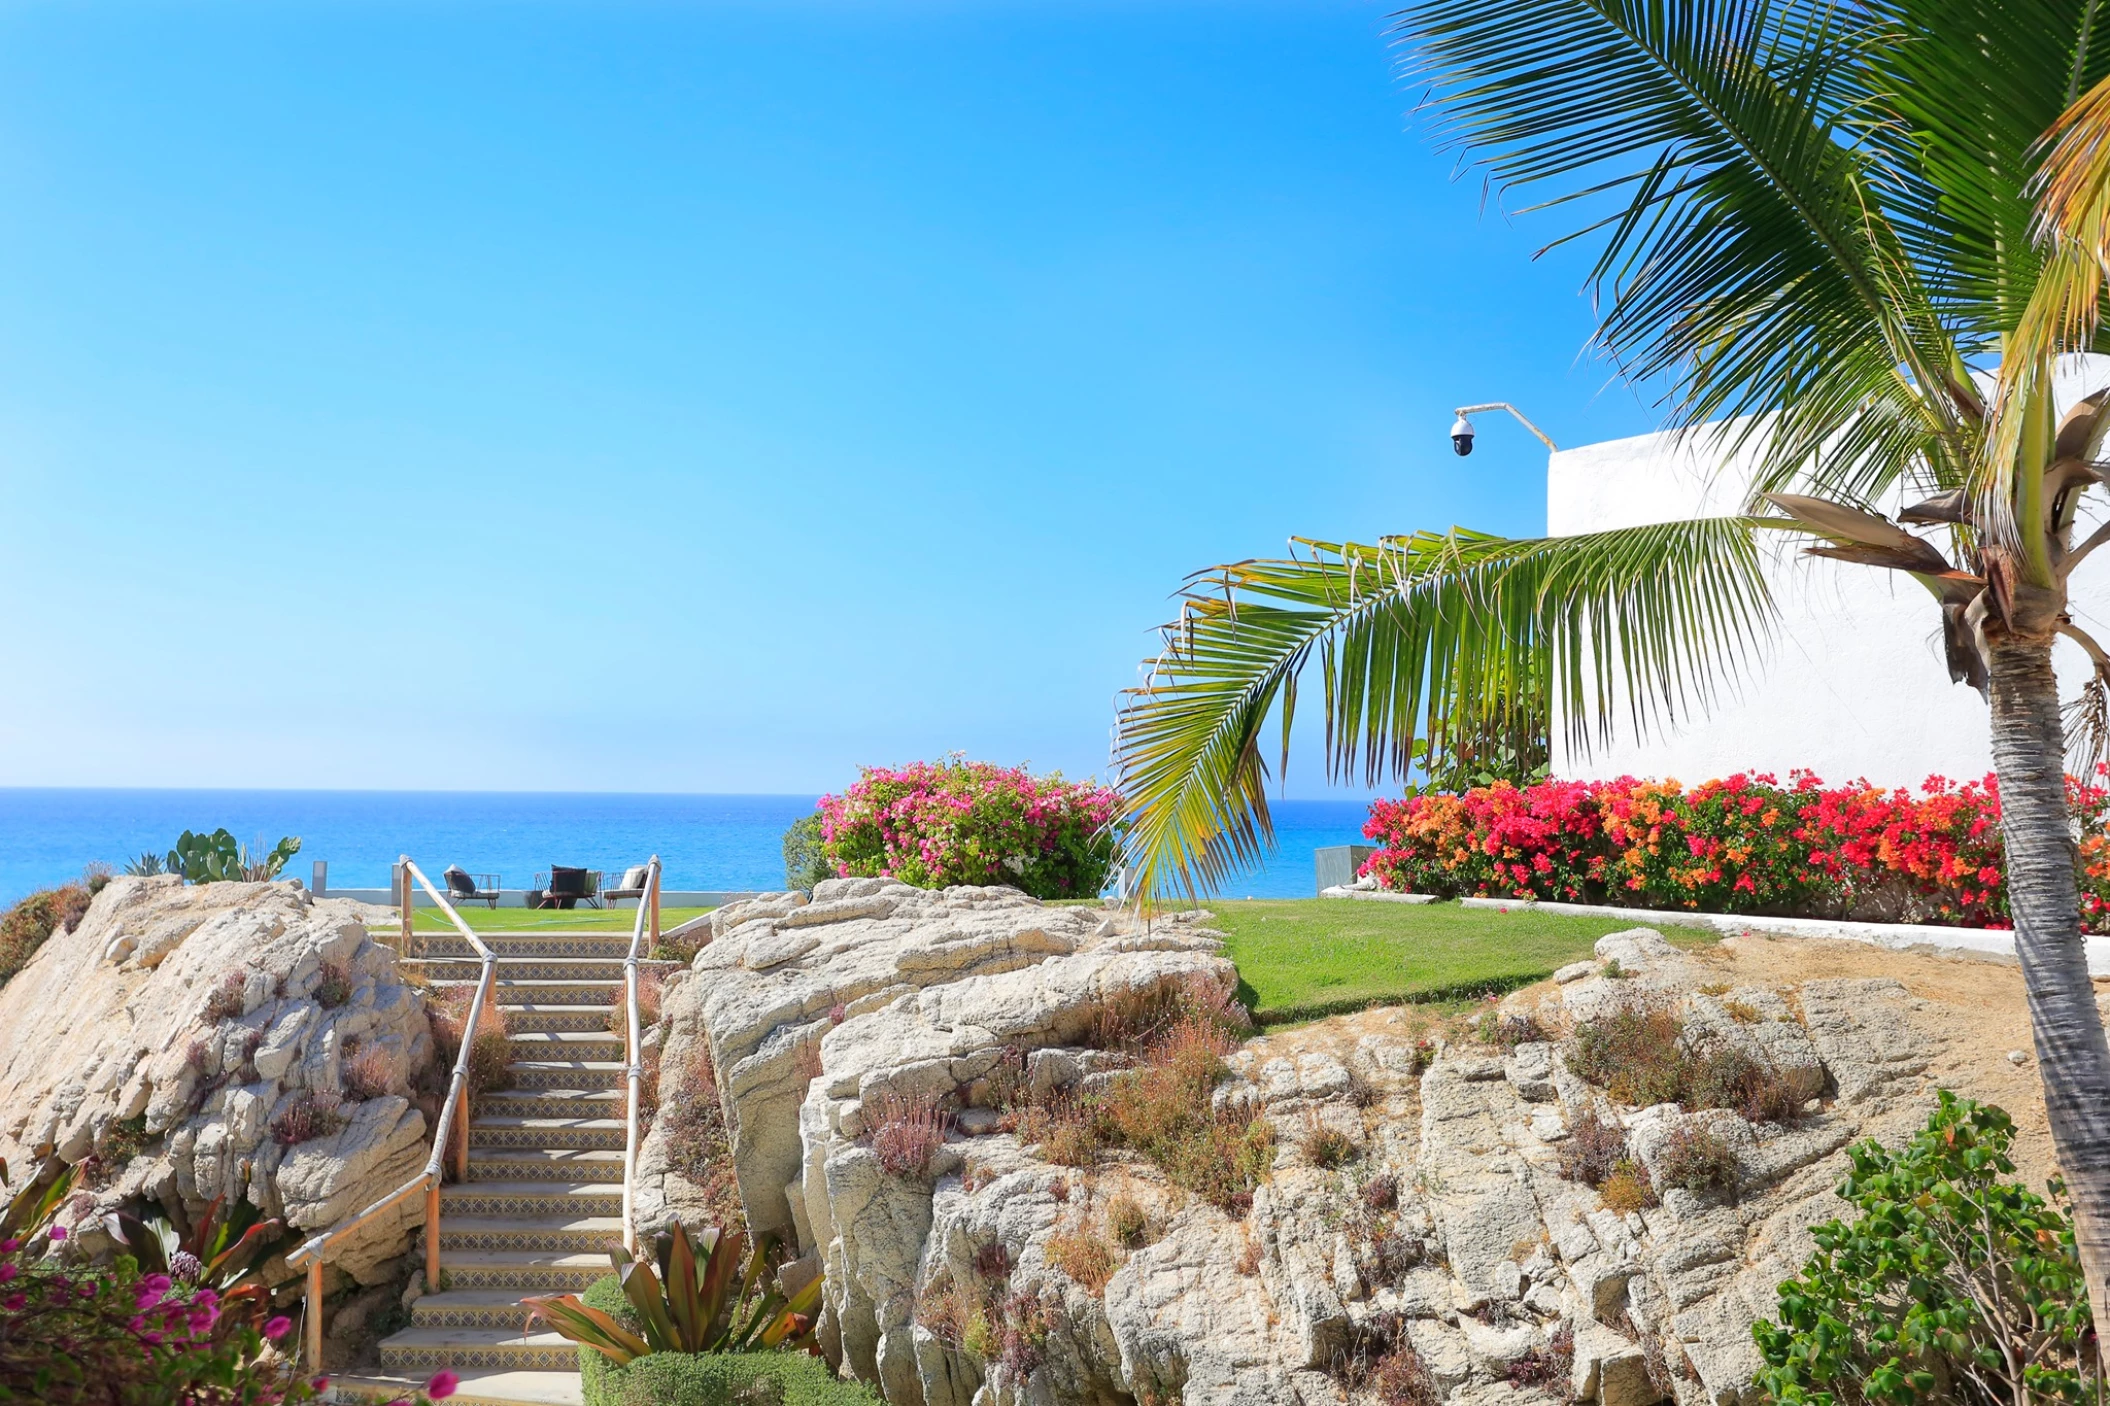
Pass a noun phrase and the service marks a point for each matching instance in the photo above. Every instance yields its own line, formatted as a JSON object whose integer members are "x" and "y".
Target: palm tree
{"x": 1823, "y": 226}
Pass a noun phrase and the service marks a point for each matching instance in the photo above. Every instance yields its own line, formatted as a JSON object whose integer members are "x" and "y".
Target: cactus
{"x": 216, "y": 858}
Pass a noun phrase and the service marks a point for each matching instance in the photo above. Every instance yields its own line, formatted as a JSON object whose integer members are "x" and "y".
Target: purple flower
{"x": 58, "y": 1232}
{"x": 15, "y": 1302}
{"x": 278, "y": 1327}
{"x": 442, "y": 1385}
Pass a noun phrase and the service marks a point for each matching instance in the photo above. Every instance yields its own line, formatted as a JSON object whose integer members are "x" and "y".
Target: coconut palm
{"x": 1854, "y": 239}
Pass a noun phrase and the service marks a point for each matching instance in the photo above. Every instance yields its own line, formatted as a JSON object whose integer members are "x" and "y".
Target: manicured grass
{"x": 484, "y": 919}
{"x": 1302, "y": 959}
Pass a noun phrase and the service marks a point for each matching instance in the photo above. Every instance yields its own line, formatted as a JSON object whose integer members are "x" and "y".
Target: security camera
{"x": 1462, "y": 436}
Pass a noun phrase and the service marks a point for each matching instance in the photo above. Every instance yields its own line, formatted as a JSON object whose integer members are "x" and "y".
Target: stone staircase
{"x": 543, "y": 1201}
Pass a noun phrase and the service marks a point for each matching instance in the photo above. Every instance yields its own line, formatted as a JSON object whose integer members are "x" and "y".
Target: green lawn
{"x": 1302, "y": 959}
{"x": 484, "y": 919}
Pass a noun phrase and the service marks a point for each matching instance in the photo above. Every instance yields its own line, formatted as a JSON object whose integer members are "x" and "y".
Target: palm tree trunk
{"x": 2029, "y": 755}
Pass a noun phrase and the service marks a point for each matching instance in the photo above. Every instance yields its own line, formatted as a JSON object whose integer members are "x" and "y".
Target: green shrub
{"x": 217, "y": 858}
{"x": 707, "y": 1379}
{"x": 29, "y": 924}
{"x": 1894, "y": 1305}
{"x": 805, "y": 856}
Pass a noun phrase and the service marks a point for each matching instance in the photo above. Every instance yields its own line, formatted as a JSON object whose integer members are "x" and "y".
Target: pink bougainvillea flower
{"x": 58, "y": 1232}
{"x": 442, "y": 1385}
{"x": 278, "y": 1327}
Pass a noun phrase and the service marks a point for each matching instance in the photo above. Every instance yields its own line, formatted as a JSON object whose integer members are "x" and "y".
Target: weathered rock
{"x": 107, "y": 1044}
{"x": 1449, "y": 1226}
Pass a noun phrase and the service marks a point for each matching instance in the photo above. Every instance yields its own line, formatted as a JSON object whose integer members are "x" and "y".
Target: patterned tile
{"x": 467, "y": 1202}
{"x": 521, "y": 1358}
{"x": 525, "y": 1237}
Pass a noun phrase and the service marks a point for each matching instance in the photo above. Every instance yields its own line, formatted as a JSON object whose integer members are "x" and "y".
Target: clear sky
{"x": 709, "y": 397}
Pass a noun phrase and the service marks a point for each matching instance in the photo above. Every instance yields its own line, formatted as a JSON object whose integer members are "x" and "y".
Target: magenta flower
{"x": 442, "y": 1385}
{"x": 8, "y": 1247}
{"x": 15, "y": 1302}
{"x": 7, "y": 1272}
{"x": 58, "y": 1232}
{"x": 278, "y": 1327}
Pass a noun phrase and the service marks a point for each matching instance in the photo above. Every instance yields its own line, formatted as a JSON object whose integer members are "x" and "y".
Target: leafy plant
{"x": 1695, "y": 1159}
{"x": 218, "y": 1251}
{"x": 146, "y": 866}
{"x": 1950, "y": 1282}
{"x": 715, "y": 1303}
{"x": 805, "y": 853}
{"x": 218, "y": 858}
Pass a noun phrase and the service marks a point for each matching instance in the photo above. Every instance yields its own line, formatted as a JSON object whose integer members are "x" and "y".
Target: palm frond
{"x": 1747, "y": 259}
{"x": 1433, "y": 637}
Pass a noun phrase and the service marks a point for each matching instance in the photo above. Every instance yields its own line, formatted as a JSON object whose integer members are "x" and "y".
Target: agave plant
{"x": 146, "y": 866}
{"x": 715, "y": 1303}
{"x": 217, "y": 1251}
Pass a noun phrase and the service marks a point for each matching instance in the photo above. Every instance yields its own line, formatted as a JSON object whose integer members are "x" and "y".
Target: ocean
{"x": 706, "y": 842}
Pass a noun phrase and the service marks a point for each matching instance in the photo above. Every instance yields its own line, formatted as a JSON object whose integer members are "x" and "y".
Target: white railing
{"x": 646, "y": 924}
{"x": 453, "y": 1125}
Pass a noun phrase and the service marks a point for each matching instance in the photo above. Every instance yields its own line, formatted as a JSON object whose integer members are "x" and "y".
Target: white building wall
{"x": 1853, "y": 683}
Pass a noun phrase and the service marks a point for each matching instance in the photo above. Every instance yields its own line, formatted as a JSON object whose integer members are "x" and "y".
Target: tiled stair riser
{"x": 599, "y": 1139}
{"x": 562, "y": 1164}
{"x": 555, "y": 1103}
{"x": 570, "y": 1019}
{"x": 466, "y": 1200}
{"x": 562, "y": 1074}
{"x": 533, "y": 1357}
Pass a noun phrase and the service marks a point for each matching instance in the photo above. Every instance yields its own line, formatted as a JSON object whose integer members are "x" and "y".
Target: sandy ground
{"x": 1973, "y": 1003}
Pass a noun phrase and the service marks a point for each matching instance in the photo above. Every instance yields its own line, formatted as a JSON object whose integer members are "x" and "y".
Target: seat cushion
{"x": 634, "y": 876}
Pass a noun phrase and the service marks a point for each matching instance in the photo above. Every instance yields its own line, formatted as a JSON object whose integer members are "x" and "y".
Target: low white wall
{"x": 1853, "y": 683}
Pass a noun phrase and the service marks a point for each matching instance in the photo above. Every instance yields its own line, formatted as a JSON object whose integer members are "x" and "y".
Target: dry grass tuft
{"x": 1082, "y": 1255}
{"x": 905, "y": 1131}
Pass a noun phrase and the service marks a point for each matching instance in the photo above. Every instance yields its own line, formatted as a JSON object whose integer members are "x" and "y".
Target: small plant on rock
{"x": 229, "y": 995}
{"x": 308, "y": 1116}
{"x": 1324, "y": 1145}
{"x": 651, "y": 992}
{"x": 1082, "y": 1255}
{"x": 1695, "y": 1159}
{"x": 1398, "y": 1378}
{"x": 334, "y": 985}
{"x": 905, "y": 1132}
{"x": 373, "y": 1072}
{"x": 1628, "y": 1188}
{"x": 1381, "y": 1192}
{"x": 1126, "y": 1220}
{"x": 30, "y": 923}
{"x": 1593, "y": 1148}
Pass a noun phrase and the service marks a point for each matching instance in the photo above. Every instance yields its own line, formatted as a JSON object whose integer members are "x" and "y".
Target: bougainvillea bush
{"x": 1743, "y": 844}
{"x": 959, "y": 822}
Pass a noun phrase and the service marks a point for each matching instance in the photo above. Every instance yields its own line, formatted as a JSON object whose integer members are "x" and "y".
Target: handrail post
{"x": 655, "y": 902}
{"x": 432, "y": 1235}
{"x": 313, "y": 1326}
{"x": 634, "y": 1073}
{"x": 404, "y": 885}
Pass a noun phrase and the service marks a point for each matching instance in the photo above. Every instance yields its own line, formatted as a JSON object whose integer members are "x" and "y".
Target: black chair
{"x": 471, "y": 888}
{"x": 569, "y": 887}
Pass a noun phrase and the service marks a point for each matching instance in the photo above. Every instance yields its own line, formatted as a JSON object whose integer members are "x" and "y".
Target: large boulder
{"x": 171, "y": 1038}
{"x": 1415, "y": 1196}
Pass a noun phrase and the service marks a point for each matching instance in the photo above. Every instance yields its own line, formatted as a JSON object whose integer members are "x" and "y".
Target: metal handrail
{"x": 647, "y": 911}
{"x": 454, "y": 1110}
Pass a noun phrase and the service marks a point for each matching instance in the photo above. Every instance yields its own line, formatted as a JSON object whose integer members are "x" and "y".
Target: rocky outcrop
{"x": 1414, "y": 1198}
{"x": 174, "y": 1039}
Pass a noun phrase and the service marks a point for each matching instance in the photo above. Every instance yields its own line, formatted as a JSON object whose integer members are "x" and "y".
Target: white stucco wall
{"x": 1853, "y": 683}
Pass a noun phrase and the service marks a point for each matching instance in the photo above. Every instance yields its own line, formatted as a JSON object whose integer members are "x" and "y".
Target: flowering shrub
{"x": 1743, "y": 844}
{"x": 932, "y": 824}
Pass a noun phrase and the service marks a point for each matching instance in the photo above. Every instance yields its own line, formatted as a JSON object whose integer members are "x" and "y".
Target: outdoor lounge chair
{"x": 567, "y": 888}
{"x": 631, "y": 886}
{"x": 471, "y": 888}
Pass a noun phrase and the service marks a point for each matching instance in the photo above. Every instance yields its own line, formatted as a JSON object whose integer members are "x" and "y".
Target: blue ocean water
{"x": 706, "y": 841}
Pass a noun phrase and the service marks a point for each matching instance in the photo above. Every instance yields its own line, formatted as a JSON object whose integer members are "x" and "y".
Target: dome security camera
{"x": 1462, "y": 436}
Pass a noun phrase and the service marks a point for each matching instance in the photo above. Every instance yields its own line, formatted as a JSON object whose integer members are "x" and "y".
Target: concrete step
{"x": 523, "y": 1271}
{"x": 486, "y": 1387}
{"x": 471, "y": 1308}
{"x": 504, "y": 1349}
{"x": 565, "y": 1073}
{"x": 607, "y": 1133}
{"x": 554, "y": 1103}
{"x": 531, "y": 1200}
{"x": 586, "y": 1234}
{"x": 531, "y": 1016}
{"x": 560, "y": 1164}
{"x": 566, "y": 1044}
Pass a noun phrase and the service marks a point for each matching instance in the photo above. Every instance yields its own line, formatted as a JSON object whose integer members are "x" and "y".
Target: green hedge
{"x": 709, "y": 1378}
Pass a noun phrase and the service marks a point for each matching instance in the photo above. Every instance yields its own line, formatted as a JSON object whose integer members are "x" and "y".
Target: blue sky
{"x": 709, "y": 397}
